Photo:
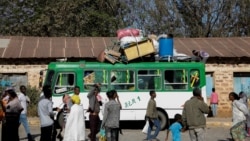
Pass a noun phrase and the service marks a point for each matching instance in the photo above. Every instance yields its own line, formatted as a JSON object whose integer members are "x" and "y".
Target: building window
{"x": 242, "y": 82}
{"x": 209, "y": 83}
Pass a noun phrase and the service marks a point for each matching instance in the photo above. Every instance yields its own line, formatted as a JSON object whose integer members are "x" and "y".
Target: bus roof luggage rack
{"x": 179, "y": 59}
{"x": 145, "y": 49}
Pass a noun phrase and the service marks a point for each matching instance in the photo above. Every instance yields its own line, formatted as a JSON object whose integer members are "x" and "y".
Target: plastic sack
{"x": 129, "y": 39}
{"x": 145, "y": 128}
{"x": 102, "y": 135}
{"x": 127, "y": 32}
{"x": 101, "y": 138}
{"x": 156, "y": 45}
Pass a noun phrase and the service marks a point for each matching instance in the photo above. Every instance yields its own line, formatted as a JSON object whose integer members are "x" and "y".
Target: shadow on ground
{"x": 228, "y": 139}
{"x": 34, "y": 137}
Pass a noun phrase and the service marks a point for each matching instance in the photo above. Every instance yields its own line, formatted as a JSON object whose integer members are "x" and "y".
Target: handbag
{"x": 145, "y": 128}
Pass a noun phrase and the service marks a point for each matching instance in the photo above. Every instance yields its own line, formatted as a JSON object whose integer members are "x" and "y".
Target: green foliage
{"x": 186, "y": 18}
{"x": 60, "y": 18}
{"x": 34, "y": 94}
{"x": 78, "y": 18}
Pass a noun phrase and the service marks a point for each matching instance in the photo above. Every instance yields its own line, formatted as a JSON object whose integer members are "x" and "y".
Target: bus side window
{"x": 122, "y": 80}
{"x": 65, "y": 82}
{"x": 176, "y": 79}
{"x": 168, "y": 79}
{"x": 194, "y": 78}
{"x": 95, "y": 76}
{"x": 149, "y": 79}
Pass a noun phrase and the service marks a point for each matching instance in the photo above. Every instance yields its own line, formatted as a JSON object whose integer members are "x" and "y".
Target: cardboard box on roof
{"x": 139, "y": 49}
{"x": 110, "y": 58}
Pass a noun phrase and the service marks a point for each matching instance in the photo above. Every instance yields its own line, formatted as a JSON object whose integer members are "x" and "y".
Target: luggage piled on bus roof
{"x": 132, "y": 44}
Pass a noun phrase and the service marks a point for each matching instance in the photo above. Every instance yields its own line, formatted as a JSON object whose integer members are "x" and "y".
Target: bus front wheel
{"x": 163, "y": 117}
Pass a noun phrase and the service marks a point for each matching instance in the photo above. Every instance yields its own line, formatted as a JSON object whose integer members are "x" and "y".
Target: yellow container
{"x": 139, "y": 49}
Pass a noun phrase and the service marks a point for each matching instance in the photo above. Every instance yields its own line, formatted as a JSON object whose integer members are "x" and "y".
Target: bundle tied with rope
{"x": 131, "y": 45}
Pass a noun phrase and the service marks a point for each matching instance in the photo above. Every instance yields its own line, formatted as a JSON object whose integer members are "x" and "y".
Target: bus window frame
{"x": 88, "y": 86}
{"x": 171, "y": 85}
{"x": 128, "y": 86}
{"x": 49, "y": 77}
{"x": 148, "y": 75}
{"x": 64, "y": 88}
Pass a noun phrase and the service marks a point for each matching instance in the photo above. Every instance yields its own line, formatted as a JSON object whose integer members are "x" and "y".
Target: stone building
{"x": 227, "y": 68}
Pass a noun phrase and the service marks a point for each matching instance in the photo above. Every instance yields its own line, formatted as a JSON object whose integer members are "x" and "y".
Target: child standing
{"x": 214, "y": 101}
{"x": 175, "y": 128}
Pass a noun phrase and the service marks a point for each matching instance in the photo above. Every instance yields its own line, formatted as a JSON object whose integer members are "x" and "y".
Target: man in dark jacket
{"x": 193, "y": 116}
{"x": 152, "y": 116}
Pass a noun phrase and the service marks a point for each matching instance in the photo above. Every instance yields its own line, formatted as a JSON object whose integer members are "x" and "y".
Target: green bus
{"x": 172, "y": 81}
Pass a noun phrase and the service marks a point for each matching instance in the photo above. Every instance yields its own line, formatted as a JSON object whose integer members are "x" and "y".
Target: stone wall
{"x": 32, "y": 71}
{"x": 223, "y": 81}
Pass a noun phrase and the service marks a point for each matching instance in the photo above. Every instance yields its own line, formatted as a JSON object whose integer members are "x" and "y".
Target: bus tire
{"x": 59, "y": 119}
{"x": 163, "y": 117}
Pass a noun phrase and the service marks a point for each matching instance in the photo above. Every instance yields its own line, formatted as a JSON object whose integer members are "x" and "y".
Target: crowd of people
{"x": 14, "y": 107}
{"x": 73, "y": 129}
{"x": 192, "y": 118}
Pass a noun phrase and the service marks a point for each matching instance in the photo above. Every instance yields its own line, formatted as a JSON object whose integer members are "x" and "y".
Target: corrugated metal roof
{"x": 90, "y": 47}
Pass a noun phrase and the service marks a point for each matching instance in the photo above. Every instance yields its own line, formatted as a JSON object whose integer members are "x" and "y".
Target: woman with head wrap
{"x": 75, "y": 125}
